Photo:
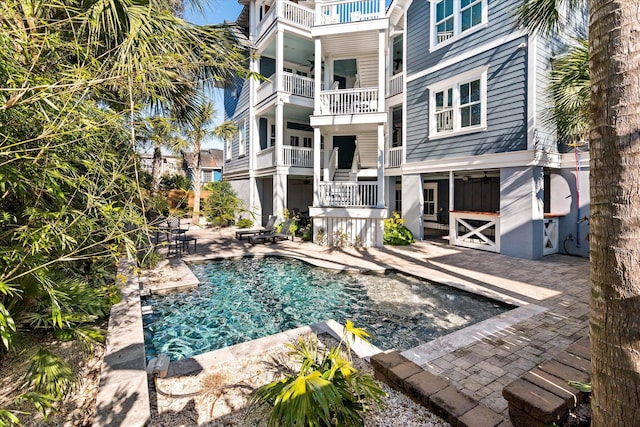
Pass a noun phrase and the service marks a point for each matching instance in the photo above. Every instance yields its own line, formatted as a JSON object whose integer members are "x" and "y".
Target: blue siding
{"x": 500, "y": 24}
{"x": 506, "y": 108}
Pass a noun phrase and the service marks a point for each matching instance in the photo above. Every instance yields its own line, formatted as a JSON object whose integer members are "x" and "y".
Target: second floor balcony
{"x": 349, "y": 101}
{"x": 301, "y": 157}
{"x": 291, "y": 83}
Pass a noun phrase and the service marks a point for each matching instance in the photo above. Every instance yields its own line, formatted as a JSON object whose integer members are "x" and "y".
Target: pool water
{"x": 248, "y": 298}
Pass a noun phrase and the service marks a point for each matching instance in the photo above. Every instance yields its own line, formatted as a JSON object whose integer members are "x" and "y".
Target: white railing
{"x": 348, "y": 101}
{"x": 348, "y": 194}
{"x": 289, "y": 11}
{"x": 444, "y": 120}
{"x": 265, "y": 158}
{"x": 333, "y": 163}
{"x": 394, "y": 157}
{"x": 340, "y": 12}
{"x": 550, "y": 236}
{"x": 395, "y": 84}
{"x": 477, "y": 230}
{"x": 297, "y": 14}
{"x": 266, "y": 89}
{"x": 297, "y": 156}
{"x": 298, "y": 85}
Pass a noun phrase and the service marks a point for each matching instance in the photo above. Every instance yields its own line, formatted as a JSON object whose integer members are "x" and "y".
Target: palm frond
{"x": 545, "y": 16}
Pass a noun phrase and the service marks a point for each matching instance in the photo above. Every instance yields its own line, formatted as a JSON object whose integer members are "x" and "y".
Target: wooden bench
{"x": 543, "y": 396}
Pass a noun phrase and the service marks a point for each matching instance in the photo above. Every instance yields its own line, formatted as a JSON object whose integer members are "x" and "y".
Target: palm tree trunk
{"x": 195, "y": 167}
{"x": 615, "y": 209}
{"x": 156, "y": 169}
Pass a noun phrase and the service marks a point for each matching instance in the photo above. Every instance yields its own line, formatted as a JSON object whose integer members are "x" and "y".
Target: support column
{"x": 412, "y": 204}
{"x": 279, "y": 192}
{"x": 279, "y": 60}
{"x": 522, "y": 212}
{"x": 452, "y": 194}
{"x": 279, "y": 131}
{"x": 317, "y": 79}
{"x": 380, "y": 175}
{"x": 382, "y": 75}
{"x": 317, "y": 137}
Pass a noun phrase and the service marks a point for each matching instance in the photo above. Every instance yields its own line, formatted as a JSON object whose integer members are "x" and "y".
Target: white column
{"x": 451, "y": 203}
{"x": 317, "y": 136}
{"x": 317, "y": 68}
{"x": 279, "y": 131}
{"x": 381, "y": 166}
{"x": 382, "y": 77}
{"x": 279, "y": 192}
{"x": 279, "y": 60}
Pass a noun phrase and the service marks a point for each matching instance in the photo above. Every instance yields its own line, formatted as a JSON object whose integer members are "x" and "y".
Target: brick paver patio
{"x": 485, "y": 359}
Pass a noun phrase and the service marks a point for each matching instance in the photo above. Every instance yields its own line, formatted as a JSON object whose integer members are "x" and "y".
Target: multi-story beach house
{"x": 434, "y": 109}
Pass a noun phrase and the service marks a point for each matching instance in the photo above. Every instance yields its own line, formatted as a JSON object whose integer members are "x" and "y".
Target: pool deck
{"x": 552, "y": 295}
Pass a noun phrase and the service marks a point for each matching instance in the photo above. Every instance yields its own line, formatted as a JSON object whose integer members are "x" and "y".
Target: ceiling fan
{"x": 397, "y": 62}
{"x": 312, "y": 63}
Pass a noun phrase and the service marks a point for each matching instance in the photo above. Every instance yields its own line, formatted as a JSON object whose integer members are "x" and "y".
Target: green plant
{"x": 321, "y": 236}
{"x": 244, "y": 223}
{"x": 174, "y": 182}
{"x": 326, "y": 391}
{"x": 223, "y": 205}
{"x": 395, "y": 232}
{"x": 340, "y": 239}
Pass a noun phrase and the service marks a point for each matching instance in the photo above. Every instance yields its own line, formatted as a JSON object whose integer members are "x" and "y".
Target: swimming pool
{"x": 247, "y": 298}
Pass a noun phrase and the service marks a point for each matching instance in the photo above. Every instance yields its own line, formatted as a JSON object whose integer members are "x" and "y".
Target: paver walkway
{"x": 555, "y": 290}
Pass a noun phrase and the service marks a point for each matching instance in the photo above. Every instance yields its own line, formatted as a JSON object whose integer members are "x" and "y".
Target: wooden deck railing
{"x": 348, "y": 194}
{"x": 477, "y": 230}
{"x": 340, "y": 12}
{"x": 348, "y": 101}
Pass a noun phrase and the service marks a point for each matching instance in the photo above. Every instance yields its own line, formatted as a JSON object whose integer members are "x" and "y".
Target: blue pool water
{"x": 248, "y": 298}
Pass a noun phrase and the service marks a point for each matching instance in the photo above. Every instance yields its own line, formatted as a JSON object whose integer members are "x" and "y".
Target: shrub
{"x": 327, "y": 390}
{"x": 244, "y": 223}
{"x": 174, "y": 182}
{"x": 223, "y": 205}
{"x": 395, "y": 233}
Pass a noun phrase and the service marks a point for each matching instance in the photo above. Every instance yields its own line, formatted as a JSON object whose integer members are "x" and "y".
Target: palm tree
{"x": 160, "y": 132}
{"x": 197, "y": 130}
{"x": 615, "y": 209}
{"x": 614, "y": 115}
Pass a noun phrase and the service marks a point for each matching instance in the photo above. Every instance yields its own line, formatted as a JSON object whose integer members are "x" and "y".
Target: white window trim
{"x": 228, "y": 148}
{"x": 457, "y": 24}
{"x": 242, "y": 138}
{"x": 454, "y": 82}
{"x": 434, "y": 187}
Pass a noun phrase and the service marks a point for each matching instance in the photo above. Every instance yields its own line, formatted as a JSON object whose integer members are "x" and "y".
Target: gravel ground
{"x": 223, "y": 393}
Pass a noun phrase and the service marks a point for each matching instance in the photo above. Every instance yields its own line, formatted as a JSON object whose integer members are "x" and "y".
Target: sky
{"x": 215, "y": 12}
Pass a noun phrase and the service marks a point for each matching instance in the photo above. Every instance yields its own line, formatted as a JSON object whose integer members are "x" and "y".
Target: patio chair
{"x": 284, "y": 234}
{"x": 177, "y": 236}
{"x": 240, "y": 234}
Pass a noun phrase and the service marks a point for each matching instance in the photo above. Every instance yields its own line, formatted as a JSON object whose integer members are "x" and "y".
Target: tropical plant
{"x": 174, "y": 182}
{"x": 326, "y": 390}
{"x": 223, "y": 204}
{"x": 395, "y": 232}
{"x": 244, "y": 223}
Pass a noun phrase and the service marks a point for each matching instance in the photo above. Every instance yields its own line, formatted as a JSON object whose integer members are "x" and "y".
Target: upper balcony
{"x": 342, "y": 12}
{"x": 286, "y": 12}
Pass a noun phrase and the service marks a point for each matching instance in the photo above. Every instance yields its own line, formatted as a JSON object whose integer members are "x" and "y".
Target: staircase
{"x": 367, "y": 147}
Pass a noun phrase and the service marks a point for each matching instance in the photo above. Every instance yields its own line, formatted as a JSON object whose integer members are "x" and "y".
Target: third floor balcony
{"x": 287, "y": 12}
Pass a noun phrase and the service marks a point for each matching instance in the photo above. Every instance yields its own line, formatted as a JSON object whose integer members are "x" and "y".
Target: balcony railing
{"x": 348, "y": 194}
{"x": 444, "y": 36}
{"x": 297, "y": 156}
{"x": 298, "y": 85}
{"x": 266, "y": 89}
{"x": 289, "y": 11}
{"x": 266, "y": 158}
{"x": 394, "y": 157}
{"x": 348, "y": 101}
{"x": 395, "y": 84}
{"x": 340, "y": 12}
{"x": 444, "y": 120}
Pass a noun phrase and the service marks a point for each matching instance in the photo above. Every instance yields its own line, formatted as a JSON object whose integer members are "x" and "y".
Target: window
{"x": 207, "y": 176}
{"x": 458, "y": 105}
{"x": 227, "y": 147}
{"x": 242, "y": 140}
{"x": 450, "y": 18}
{"x": 294, "y": 141}
{"x": 272, "y": 138}
{"x": 306, "y": 142}
{"x": 430, "y": 200}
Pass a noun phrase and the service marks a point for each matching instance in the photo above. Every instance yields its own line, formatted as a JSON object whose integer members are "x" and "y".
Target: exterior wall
{"x": 506, "y": 107}
{"x": 501, "y": 24}
{"x": 243, "y": 189}
{"x": 237, "y": 103}
{"x": 412, "y": 204}
{"x": 349, "y": 227}
{"x": 521, "y": 212}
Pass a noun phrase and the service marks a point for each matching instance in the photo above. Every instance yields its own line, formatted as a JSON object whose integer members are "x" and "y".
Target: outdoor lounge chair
{"x": 284, "y": 234}
{"x": 240, "y": 234}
